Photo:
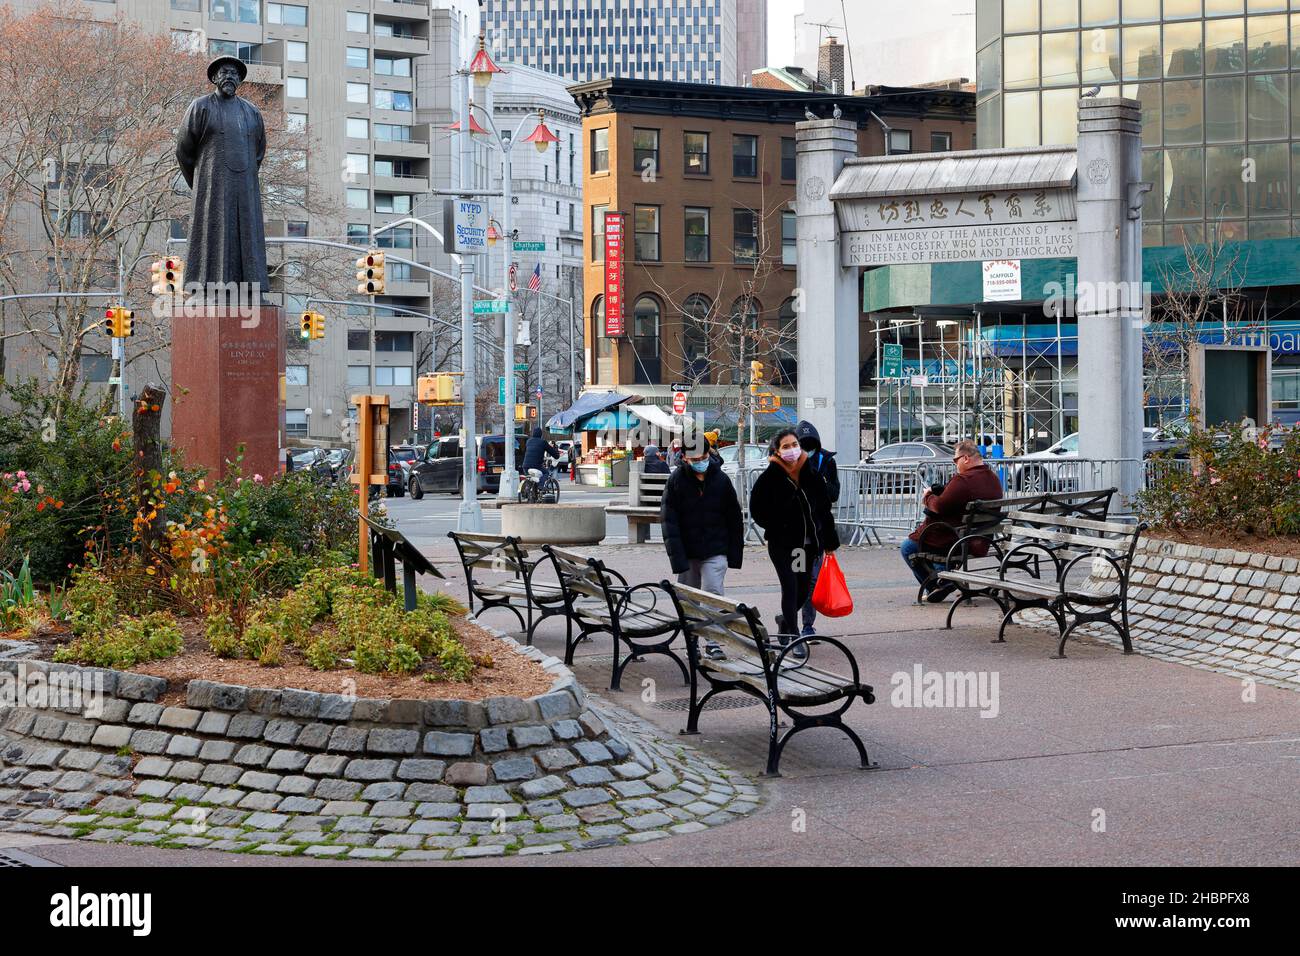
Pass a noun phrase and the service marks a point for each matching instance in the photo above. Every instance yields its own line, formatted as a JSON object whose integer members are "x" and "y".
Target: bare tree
{"x": 1202, "y": 293}
{"x": 89, "y": 182}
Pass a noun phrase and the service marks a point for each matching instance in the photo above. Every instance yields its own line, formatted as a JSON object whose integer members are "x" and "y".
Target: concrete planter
{"x": 562, "y": 524}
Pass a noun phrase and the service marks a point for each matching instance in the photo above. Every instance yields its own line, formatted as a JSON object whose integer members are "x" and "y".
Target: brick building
{"x": 704, "y": 178}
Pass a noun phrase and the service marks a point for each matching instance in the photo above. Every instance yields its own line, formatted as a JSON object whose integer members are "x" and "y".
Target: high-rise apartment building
{"x": 583, "y": 40}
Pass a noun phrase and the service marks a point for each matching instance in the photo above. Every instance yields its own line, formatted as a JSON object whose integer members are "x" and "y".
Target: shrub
{"x": 91, "y": 603}
{"x": 153, "y": 637}
{"x": 1238, "y": 483}
{"x": 438, "y": 601}
{"x": 221, "y": 632}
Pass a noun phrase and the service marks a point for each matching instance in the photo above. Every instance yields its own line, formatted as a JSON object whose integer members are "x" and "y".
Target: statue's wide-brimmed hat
{"x": 221, "y": 61}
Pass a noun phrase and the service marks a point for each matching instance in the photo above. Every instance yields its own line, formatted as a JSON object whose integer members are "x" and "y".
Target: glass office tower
{"x": 1217, "y": 80}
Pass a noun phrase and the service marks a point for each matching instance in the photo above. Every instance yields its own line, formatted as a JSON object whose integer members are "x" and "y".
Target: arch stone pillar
{"x": 827, "y": 295}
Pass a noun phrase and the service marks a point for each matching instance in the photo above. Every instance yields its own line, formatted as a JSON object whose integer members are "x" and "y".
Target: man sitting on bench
{"x": 944, "y": 510}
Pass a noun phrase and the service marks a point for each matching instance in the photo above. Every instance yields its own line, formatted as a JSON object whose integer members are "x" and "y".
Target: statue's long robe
{"x": 220, "y": 146}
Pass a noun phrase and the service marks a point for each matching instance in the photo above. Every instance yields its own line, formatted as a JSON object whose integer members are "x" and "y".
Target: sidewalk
{"x": 1097, "y": 759}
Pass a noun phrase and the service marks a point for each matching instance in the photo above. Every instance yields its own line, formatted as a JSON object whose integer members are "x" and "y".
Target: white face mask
{"x": 791, "y": 454}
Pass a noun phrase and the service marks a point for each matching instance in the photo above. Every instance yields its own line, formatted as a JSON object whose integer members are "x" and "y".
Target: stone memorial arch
{"x": 1079, "y": 202}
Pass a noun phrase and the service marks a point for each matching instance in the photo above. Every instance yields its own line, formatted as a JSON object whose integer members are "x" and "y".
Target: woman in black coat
{"x": 792, "y": 506}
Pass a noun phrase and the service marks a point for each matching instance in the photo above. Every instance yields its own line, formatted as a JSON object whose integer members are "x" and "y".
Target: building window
{"x": 393, "y": 202}
{"x": 744, "y": 224}
{"x": 603, "y": 349}
{"x": 358, "y": 22}
{"x": 358, "y": 93}
{"x": 358, "y": 233}
{"x": 392, "y": 133}
{"x": 358, "y": 375}
{"x": 393, "y": 65}
{"x": 358, "y": 199}
{"x": 296, "y": 228}
{"x": 358, "y": 340}
{"x": 359, "y": 57}
{"x": 393, "y": 375}
{"x": 941, "y": 142}
{"x": 788, "y": 244}
{"x": 358, "y": 128}
{"x": 236, "y": 11}
{"x": 787, "y": 157}
{"x": 357, "y": 164}
{"x": 393, "y": 100}
{"x": 645, "y": 339}
{"x": 900, "y": 142}
{"x": 647, "y": 233}
{"x": 295, "y": 87}
{"x": 295, "y": 121}
{"x": 96, "y": 368}
{"x": 394, "y": 341}
{"x": 600, "y": 150}
{"x": 598, "y": 233}
{"x": 697, "y": 234}
{"x": 695, "y": 336}
{"x": 744, "y": 156}
{"x": 295, "y": 374}
{"x": 193, "y": 6}
{"x": 286, "y": 14}
{"x": 695, "y": 153}
{"x": 402, "y": 237}
{"x": 295, "y": 51}
{"x": 295, "y": 422}
{"x": 645, "y": 151}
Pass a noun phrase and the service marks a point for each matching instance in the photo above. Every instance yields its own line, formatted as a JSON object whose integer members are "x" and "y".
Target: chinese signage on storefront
{"x": 958, "y": 227}
{"x": 613, "y": 274}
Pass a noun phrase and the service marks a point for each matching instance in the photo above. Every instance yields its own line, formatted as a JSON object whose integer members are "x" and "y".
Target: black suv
{"x": 441, "y": 470}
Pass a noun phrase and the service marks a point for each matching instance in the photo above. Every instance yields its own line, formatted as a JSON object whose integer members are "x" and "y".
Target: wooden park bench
{"x": 515, "y": 587}
{"x": 756, "y": 666}
{"x": 1064, "y": 543}
{"x": 645, "y": 494}
{"x": 599, "y": 600}
{"x": 983, "y": 521}
{"x": 389, "y": 546}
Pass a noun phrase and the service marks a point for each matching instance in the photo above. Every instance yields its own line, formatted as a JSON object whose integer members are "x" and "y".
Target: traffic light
{"x": 755, "y": 376}
{"x": 119, "y": 322}
{"x": 168, "y": 276}
{"x": 370, "y": 273}
{"x": 311, "y": 325}
{"x": 521, "y": 413}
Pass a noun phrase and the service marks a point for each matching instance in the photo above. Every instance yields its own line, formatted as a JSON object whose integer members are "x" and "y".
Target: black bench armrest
{"x": 962, "y": 544}
{"x": 624, "y": 595}
{"x": 859, "y": 689}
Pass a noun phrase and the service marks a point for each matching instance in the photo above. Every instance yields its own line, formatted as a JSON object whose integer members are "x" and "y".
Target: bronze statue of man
{"x": 220, "y": 146}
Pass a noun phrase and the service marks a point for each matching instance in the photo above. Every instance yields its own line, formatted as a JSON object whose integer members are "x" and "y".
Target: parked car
{"x": 313, "y": 460}
{"x": 340, "y": 462}
{"x": 755, "y": 458}
{"x": 440, "y": 470}
{"x": 911, "y": 453}
{"x": 1031, "y": 478}
{"x": 405, "y": 456}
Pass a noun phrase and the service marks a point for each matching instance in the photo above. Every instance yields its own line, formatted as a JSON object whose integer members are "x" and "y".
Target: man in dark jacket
{"x": 535, "y": 452}
{"x": 823, "y": 462}
{"x": 653, "y": 463}
{"x": 702, "y": 524}
{"x": 974, "y": 481}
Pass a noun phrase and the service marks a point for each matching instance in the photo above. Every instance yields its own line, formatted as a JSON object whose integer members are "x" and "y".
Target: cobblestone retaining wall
{"x": 1226, "y": 610}
{"x": 291, "y": 771}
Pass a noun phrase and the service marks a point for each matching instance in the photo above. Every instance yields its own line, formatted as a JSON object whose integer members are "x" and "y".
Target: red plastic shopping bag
{"x": 831, "y": 595}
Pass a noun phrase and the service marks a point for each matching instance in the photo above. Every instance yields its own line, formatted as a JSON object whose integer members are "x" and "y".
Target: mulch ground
{"x": 510, "y": 674}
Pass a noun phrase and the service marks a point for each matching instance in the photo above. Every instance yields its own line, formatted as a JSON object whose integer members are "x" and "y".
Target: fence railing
{"x": 883, "y": 502}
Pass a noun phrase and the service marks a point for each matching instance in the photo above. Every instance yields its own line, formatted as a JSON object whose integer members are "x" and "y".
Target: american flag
{"x": 535, "y": 280}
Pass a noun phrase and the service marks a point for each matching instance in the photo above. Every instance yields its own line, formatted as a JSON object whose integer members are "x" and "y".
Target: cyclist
{"x": 536, "y": 452}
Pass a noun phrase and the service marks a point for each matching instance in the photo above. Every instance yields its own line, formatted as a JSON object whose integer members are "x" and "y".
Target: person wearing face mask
{"x": 792, "y": 505}
{"x": 702, "y": 524}
{"x": 823, "y": 462}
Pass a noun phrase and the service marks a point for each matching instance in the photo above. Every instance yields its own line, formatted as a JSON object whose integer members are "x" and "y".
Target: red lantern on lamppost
{"x": 482, "y": 66}
{"x": 541, "y": 137}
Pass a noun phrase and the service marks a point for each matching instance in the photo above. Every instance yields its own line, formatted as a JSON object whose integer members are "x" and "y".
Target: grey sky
{"x": 896, "y": 42}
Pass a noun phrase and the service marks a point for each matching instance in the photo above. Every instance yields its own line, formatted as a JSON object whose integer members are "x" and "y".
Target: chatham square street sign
{"x": 967, "y": 207}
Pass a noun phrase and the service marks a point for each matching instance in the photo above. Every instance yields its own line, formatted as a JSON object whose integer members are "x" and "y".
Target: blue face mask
{"x": 699, "y": 467}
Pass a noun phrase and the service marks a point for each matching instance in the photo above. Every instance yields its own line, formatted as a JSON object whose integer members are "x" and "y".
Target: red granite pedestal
{"x": 227, "y": 367}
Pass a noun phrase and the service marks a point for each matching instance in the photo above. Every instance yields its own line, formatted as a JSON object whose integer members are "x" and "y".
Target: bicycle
{"x": 538, "y": 488}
